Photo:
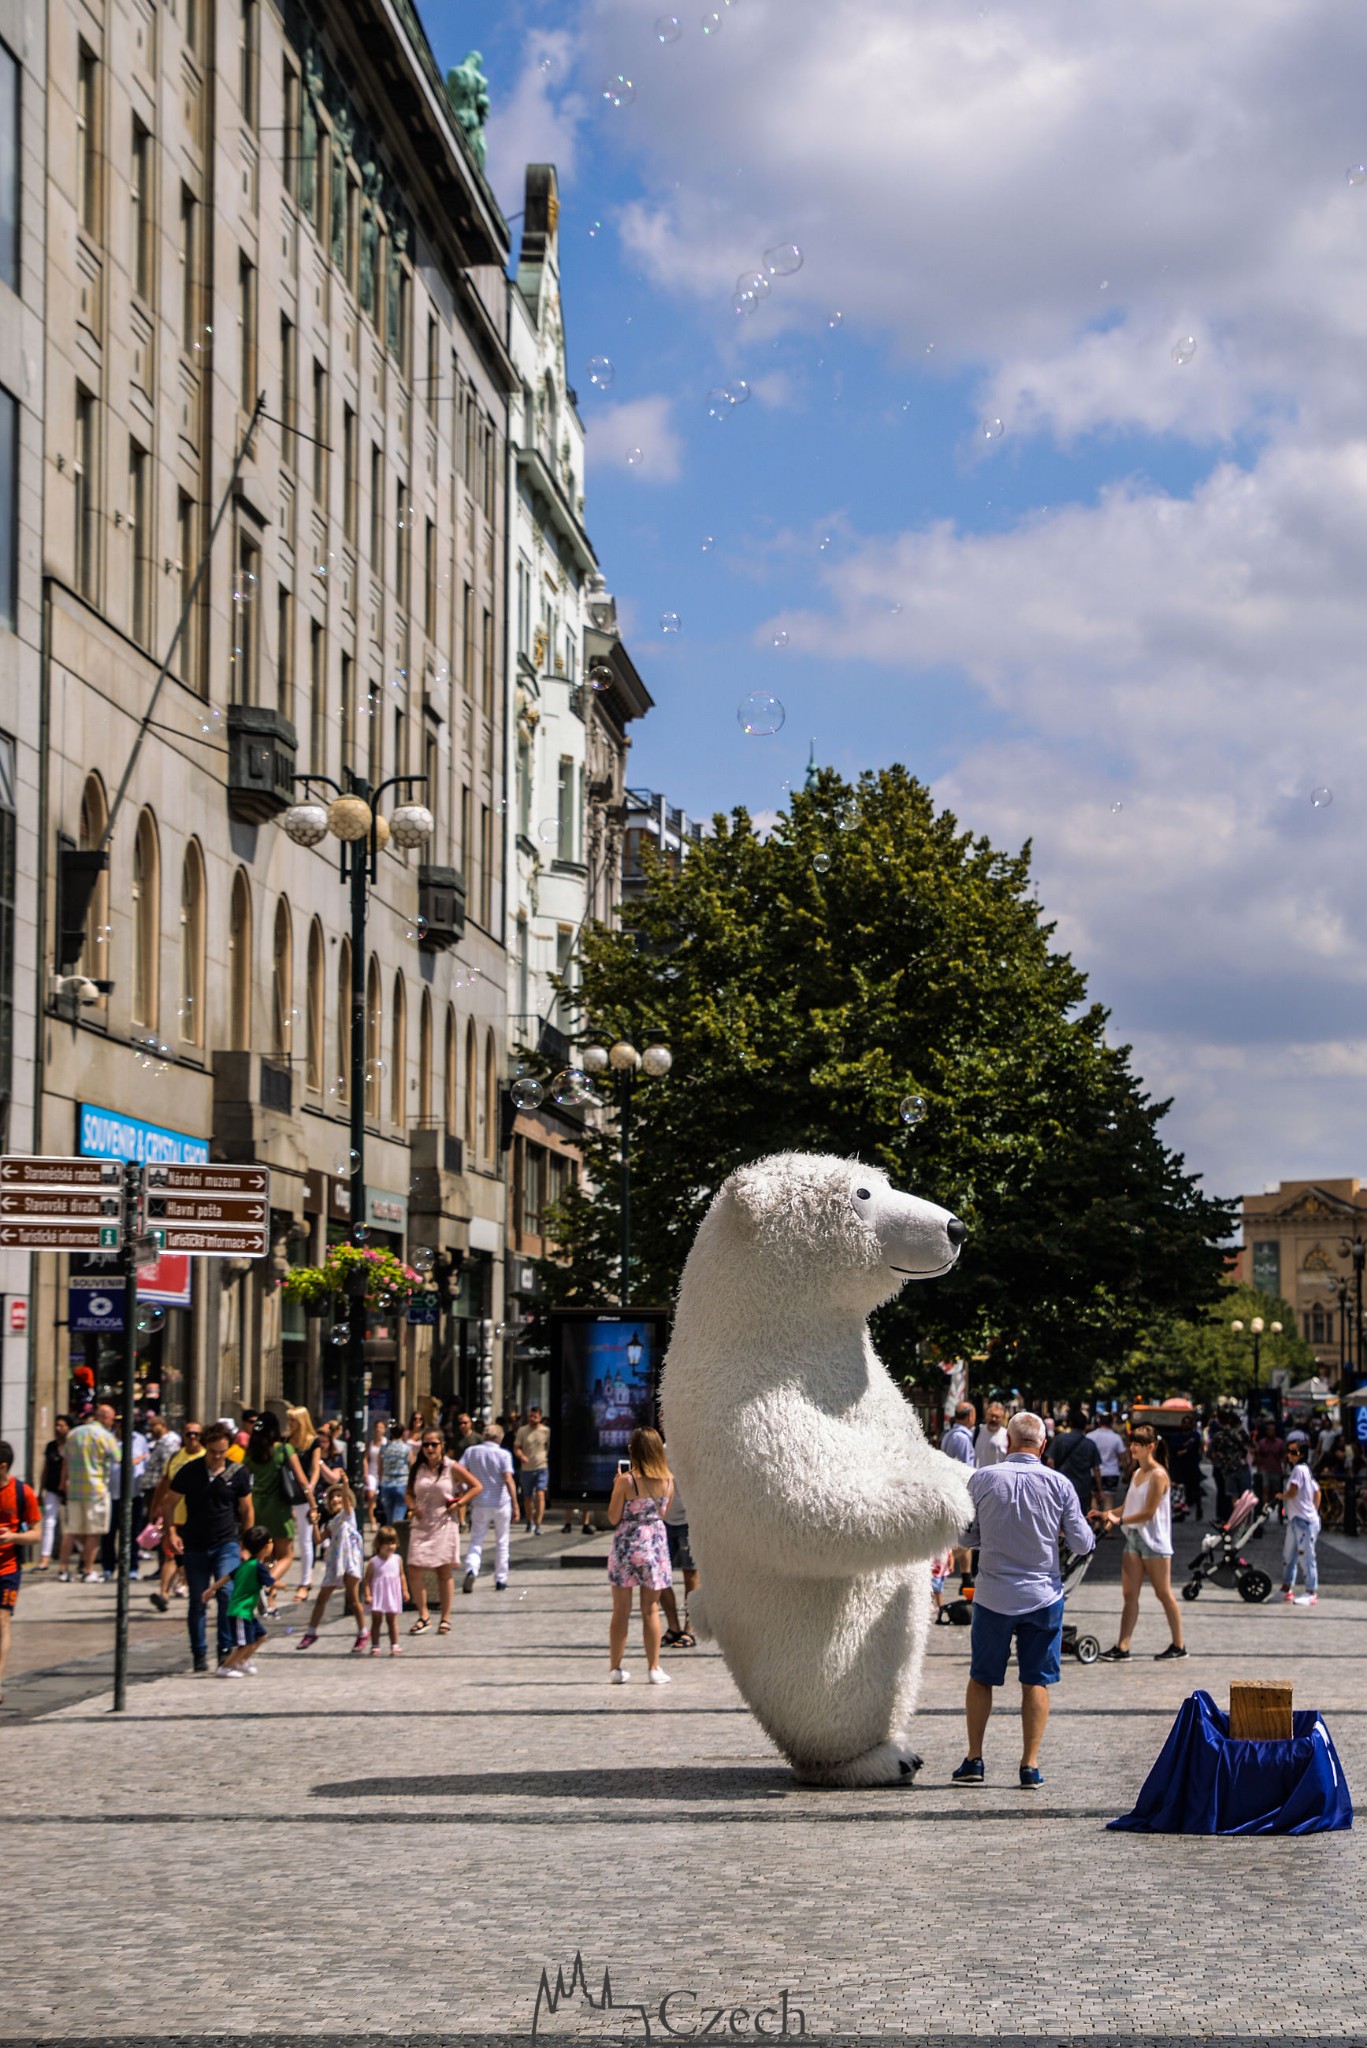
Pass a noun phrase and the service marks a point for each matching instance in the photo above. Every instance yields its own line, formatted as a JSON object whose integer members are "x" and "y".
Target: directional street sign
{"x": 225, "y": 1210}
{"x": 209, "y": 1180}
{"x": 61, "y": 1173}
{"x": 235, "y": 1243}
{"x": 59, "y": 1237}
{"x": 32, "y": 1202}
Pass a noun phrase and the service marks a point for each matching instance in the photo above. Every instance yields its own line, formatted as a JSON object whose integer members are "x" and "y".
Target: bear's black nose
{"x": 955, "y": 1231}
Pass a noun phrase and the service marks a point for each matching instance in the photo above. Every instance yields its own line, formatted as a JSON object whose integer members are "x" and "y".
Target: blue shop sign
{"x": 104, "y": 1134}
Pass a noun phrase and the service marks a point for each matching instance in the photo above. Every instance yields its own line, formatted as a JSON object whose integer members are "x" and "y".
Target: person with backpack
{"x": 1073, "y": 1453}
{"x": 20, "y": 1522}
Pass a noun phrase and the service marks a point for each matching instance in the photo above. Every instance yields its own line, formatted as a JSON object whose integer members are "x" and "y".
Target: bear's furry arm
{"x": 826, "y": 1498}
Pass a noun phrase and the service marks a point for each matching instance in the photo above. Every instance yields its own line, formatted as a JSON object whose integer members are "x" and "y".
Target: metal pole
{"x": 353, "y": 1386}
{"x": 1350, "y": 1448}
{"x": 132, "y": 1180}
{"x": 628, "y": 1084}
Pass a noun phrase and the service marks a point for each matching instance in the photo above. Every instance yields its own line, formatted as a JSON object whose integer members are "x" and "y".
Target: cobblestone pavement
{"x": 352, "y": 1848}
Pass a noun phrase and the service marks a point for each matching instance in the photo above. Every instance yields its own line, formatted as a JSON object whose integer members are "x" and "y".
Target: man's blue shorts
{"x": 1038, "y": 1635}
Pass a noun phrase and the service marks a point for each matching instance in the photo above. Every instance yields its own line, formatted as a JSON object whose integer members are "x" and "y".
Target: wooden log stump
{"x": 1260, "y": 1710}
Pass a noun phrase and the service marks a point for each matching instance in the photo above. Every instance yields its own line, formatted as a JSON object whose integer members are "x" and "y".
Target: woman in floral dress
{"x": 438, "y": 1489}
{"x": 640, "y": 1551}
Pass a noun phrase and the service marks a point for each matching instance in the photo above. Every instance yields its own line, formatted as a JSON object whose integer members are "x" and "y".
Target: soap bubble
{"x": 719, "y": 404}
{"x": 1357, "y": 174}
{"x": 780, "y": 638}
{"x": 600, "y": 372}
{"x": 634, "y": 458}
{"x": 669, "y": 622}
{"x": 912, "y": 1109}
{"x": 755, "y": 282}
{"x": 324, "y": 564}
{"x": 783, "y": 259}
{"x": 150, "y": 1320}
{"x": 1321, "y": 798}
{"x": 210, "y": 720}
{"x": 527, "y": 1093}
{"x": 760, "y": 714}
{"x": 246, "y": 587}
{"x": 595, "y": 230}
{"x": 993, "y": 430}
{"x": 417, "y": 928}
{"x": 405, "y": 518}
{"x": 668, "y": 28}
{"x": 823, "y": 543}
{"x": 338, "y": 1334}
{"x": 548, "y": 831}
{"x": 545, "y": 67}
{"x": 618, "y": 91}
{"x": 423, "y": 1258}
{"x": 398, "y": 683}
{"x": 738, "y": 392}
{"x": 837, "y": 319}
{"x": 708, "y": 543}
{"x": 570, "y": 1087}
{"x": 821, "y": 862}
{"x": 744, "y": 302}
{"x": 345, "y": 1164}
{"x": 600, "y": 676}
{"x": 711, "y": 24}
{"x": 360, "y": 1233}
{"x": 1185, "y": 349}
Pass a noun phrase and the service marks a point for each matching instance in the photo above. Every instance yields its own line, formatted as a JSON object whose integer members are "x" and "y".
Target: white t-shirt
{"x": 1110, "y": 1449}
{"x": 1300, "y": 1487}
{"x": 989, "y": 1446}
{"x": 488, "y": 1462}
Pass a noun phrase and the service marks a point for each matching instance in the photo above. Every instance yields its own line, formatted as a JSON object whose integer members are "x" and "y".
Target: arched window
{"x": 282, "y": 982}
{"x": 95, "y": 954}
{"x": 425, "y": 1060}
{"x": 146, "y": 921}
{"x": 192, "y": 926}
{"x": 490, "y": 1097}
{"x": 342, "y": 1079}
{"x": 398, "y": 1054}
{"x": 1317, "y": 1325}
{"x": 471, "y": 1092}
{"x": 374, "y": 1042}
{"x": 448, "y": 1079}
{"x": 240, "y": 965}
{"x": 314, "y": 1020}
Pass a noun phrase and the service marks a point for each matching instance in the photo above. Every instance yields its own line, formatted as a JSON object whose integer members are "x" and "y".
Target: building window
{"x": 84, "y": 480}
{"x": 95, "y": 952}
{"x": 467, "y": 642}
{"x": 284, "y": 660}
{"x": 402, "y": 521}
{"x": 190, "y": 1014}
{"x": 451, "y": 1114}
{"x": 533, "y": 1188}
{"x": 376, "y": 512}
{"x": 140, "y": 544}
{"x": 471, "y": 1090}
{"x": 318, "y": 675}
{"x": 191, "y": 293}
{"x": 282, "y": 983}
{"x": 1318, "y": 1334}
{"x": 146, "y": 907}
{"x": 565, "y": 835}
{"x": 249, "y": 63}
{"x": 246, "y": 332}
{"x": 374, "y": 723}
{"x": 487, "y": 651}
{"x": 240, "y": 966}
{"x": 398, "y": 1054}
{"x": 290, "y": 98}
{"x": 429, "y": 580}
{"x": 289, "y": 391}
{"x": 314, "y": 1022}
{"x": 9, "y": 509}
{"x": 343, "y": 1081}
{"x": 349, "y": 473}
{"x": 425, "y": 1060}
{"x": 187, "y": 542}
{"x": 88, "y": 140}
{"x": 524, "y": 605}
{"x": 142, "y": 199}
{"x": 246, "y": 630}
{"x": 433, "y": 358}
{"x": 490, "y": 1096}
{"x": 486, "y": 868}
{"x": 320, "y": 434}
{"x": 10, "y": 109}
{"x": 7, "y": 878}
{"x": 374, "y": 1041}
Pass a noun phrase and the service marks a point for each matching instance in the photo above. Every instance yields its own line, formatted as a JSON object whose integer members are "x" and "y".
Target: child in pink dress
{"x": 386, "y": 1589}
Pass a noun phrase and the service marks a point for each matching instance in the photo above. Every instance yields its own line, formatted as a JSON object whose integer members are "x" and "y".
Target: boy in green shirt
{"x": 251, "y": 1581}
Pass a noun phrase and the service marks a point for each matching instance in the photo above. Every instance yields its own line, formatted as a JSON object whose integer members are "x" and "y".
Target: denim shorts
{"x": 680, "y": 1556}
{"x": 1038, "y": 1636}
{"x": 536, "y": 1479}
{"x": 1139, "y": 1546}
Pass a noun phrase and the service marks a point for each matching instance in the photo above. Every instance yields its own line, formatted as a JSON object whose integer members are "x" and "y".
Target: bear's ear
{"x": 749, "y": 1194}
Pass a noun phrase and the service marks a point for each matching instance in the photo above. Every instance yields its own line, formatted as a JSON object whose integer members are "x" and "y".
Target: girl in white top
{"x": 1145, "y": 1516}
{"x": 1302, "y": 1498}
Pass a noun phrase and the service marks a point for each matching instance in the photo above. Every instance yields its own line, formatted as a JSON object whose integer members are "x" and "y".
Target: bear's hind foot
{"x": 885, "y": 1764}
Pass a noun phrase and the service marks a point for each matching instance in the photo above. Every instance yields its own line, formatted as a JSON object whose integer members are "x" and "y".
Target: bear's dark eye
{"x": 863, "y": 1194}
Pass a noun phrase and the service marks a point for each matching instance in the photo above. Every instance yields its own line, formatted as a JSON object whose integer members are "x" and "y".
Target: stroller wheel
{"x": 1254, "y": 1586}
{"x": 1192, "y": 1590}
{"x": 1088, "y": 1649}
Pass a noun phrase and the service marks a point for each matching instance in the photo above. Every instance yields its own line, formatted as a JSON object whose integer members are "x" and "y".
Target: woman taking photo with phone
{"x": 639, "y": 1556}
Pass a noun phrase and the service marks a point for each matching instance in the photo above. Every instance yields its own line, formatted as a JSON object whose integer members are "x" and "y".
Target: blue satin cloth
{"x": 1204, "y": 1783}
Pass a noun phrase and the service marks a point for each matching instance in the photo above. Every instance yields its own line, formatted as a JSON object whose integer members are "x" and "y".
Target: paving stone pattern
{"x": 356, "y": 1850}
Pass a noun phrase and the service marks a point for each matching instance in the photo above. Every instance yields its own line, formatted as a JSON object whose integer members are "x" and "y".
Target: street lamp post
{"x": 1357, "y": 1252}
{"x": 1256, "y": 1326}
{"x": 353, "y": 817}
{"x": 626, "y": 1063}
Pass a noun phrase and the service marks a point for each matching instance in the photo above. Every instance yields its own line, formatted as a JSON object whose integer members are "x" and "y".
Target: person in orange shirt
{"x": 20, "y": 1522}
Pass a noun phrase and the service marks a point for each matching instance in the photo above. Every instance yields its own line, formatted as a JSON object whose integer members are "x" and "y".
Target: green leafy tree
{"x": 865, "y": 951}
{"x": 1202, "y": 1356}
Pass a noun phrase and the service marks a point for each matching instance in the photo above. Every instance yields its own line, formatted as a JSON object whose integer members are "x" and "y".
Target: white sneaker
{"x": 229, "y": 1671}
{"x": 93, "y": 1579}
{"x": 1307, "y": 1599}
{"x": 250, "y": 1665}
{"x": 618, "y": 1677}
{"x": 658, "y": 1676}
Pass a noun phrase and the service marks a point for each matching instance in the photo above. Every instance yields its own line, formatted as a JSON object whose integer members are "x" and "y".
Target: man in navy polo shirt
{"x": 1021, "y": 1507}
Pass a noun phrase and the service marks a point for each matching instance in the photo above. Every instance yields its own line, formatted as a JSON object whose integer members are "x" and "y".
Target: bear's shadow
{"x": 668, "y": 1781}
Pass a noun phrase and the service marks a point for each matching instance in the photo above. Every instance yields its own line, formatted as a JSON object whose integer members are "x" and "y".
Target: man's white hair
{"x": 1025, "y": 1428}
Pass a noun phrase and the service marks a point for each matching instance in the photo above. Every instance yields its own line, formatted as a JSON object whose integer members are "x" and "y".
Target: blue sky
{"x": 1130, "y": 626}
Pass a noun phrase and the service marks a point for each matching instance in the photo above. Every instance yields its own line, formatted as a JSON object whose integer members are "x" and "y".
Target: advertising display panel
{"x": 605, "y": 1373}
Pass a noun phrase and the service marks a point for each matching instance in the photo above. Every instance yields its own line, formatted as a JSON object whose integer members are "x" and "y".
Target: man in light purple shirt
{"x": 1020, "y": 1509}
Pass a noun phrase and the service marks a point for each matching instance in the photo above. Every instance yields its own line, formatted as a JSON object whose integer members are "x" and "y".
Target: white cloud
{"x": 615, "y": 432}
{"x": 539, "y": 123}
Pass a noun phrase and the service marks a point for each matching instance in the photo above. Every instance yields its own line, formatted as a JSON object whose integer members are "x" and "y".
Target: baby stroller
{"x": 1220, "y": 1553}
{"x": 1073, "y": 1571}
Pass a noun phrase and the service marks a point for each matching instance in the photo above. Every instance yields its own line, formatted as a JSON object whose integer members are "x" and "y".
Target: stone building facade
{"x": 242, "y": 204}
{"x": 1297, "y": 1243}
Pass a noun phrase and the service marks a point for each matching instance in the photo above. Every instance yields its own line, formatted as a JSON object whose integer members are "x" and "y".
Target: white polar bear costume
{"x": 813, "y": 1497}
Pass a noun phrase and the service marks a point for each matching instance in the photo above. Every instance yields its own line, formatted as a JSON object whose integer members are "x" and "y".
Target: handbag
{"x": 295, "y": 1494}
{"x": 149, "y": 1536}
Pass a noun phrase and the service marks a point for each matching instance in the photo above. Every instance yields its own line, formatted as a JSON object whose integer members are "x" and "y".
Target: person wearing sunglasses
{"x": 438, "y": 1488}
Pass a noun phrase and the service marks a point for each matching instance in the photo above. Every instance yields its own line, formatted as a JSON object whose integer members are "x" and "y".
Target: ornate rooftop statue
{"x": 468, "y": 91}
